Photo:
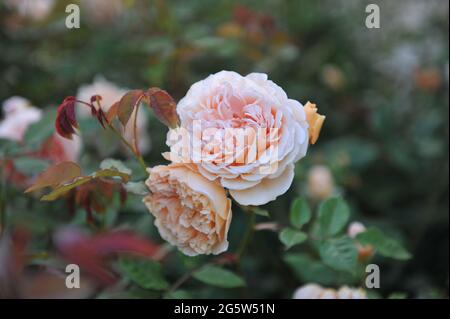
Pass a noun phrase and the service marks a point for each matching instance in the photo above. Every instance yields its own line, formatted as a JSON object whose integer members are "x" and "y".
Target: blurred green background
{"x": 384, "y": 92}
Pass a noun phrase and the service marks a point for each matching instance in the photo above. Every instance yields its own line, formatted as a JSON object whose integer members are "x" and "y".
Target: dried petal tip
{"x": 315, "y": 121}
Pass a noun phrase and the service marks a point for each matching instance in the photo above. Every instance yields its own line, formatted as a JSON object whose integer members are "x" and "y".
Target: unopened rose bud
{"x": 315, "y": 121}
{"x": 320, "y": 182}
{"x": 333, "y": 77}
{"x": 364, "y": 252}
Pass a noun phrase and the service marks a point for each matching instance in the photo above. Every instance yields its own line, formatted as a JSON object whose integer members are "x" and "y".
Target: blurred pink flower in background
{"x": 19, "y": 115}
{"x": 36, "y": 10}
{"x": 320, "y": 182}
{"x": 110, "y": 94}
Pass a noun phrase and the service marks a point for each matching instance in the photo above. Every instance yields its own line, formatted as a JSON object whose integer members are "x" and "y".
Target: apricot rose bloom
{"x": 261, "y": 167}
{"x": 190, "y": 211}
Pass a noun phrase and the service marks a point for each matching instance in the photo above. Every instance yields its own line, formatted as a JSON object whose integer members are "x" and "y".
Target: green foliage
{"x": 300, "y": 213}
{"x": 219, "y": 277}
{"x": 339, "y": 253}
{"x": 145, "y": 273}
{"x": 384, "y": 140}
{"x": 39, "y": 132}
{"x": 30, "y": 166}
{"x": 307, "y": 269}
{"x": 384, "y": 245}
{"x": 291, "y": 237}
{"x": 333, "y": 216}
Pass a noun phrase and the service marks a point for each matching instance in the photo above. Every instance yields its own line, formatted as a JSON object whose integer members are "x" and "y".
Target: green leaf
{"x": 145, "y": 273}
{"x": 30, "y": 166}
{"x": 300, "y": 213}
{"x": 40, "y": 131}
{"x": 137, "y": 188}
{"x": 339, "y": 253}
{"x": 63, "y": 189}
{"x": 385, "y": 245}
{"x": 291, "y": 237}
{"x": 110, "y": 163}
{"x": 260, "y": 212}
{"x": 8, "y": 147}
{"x": 111, "y": 173}
{"x": 307, "y": 269}
{"x": 398, "y": 295}
{"x": 216, "y": 276}
{"x": 333, "y": 216}
{"x": 178, "y": 294}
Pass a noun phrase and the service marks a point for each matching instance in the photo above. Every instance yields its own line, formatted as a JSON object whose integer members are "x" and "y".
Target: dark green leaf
{"x": 260, "y": 212}
{"x": 340, "y": 253}
{"x": 300, "y": 213}
{"x": 291, "y": 237}
{"x": 178, "y": 294}
{"x": 386, "y": 246}
{"x": 309, "y": 270}
{"x": 216, "y": 276}
{"x": 145, "y": 273}
{"x": 333, "y": 216}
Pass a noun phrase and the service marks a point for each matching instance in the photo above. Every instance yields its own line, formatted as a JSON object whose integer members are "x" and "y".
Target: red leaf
{"x": 164, "y": 106}
{"x": 66, "y": 121}
{"x": 127, "y": 104}
{"x": 90, "y": 253}
{"x": 112, "y": 112}
{"x": 56, "y": 174}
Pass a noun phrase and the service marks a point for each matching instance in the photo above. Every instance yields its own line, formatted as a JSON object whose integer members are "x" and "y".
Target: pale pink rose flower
{"x": 314, "y": 291}
{"x": 110, "y": 94}
{"x": 355, "y": 228}
{"x": 20, "y": 114}
{"x": 309, "y": 291}
{"x": 351, "y": 293}
{"x": 33, "y": 9}
{"x": 190, "y": 211}
{"x": 227, "y": 100}
{"x": 320, "y": 182}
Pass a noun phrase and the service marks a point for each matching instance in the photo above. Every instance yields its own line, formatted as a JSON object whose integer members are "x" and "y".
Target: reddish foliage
{"x": 66, "y": 121}
{"x": 91, "y": 253}
{"x": 56, "y": 174}
{"x": 164, "y": 106}
{"x": 12, "y": 260}
{"x": 252, "y": 20}
{"x": 95, "y": 195}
